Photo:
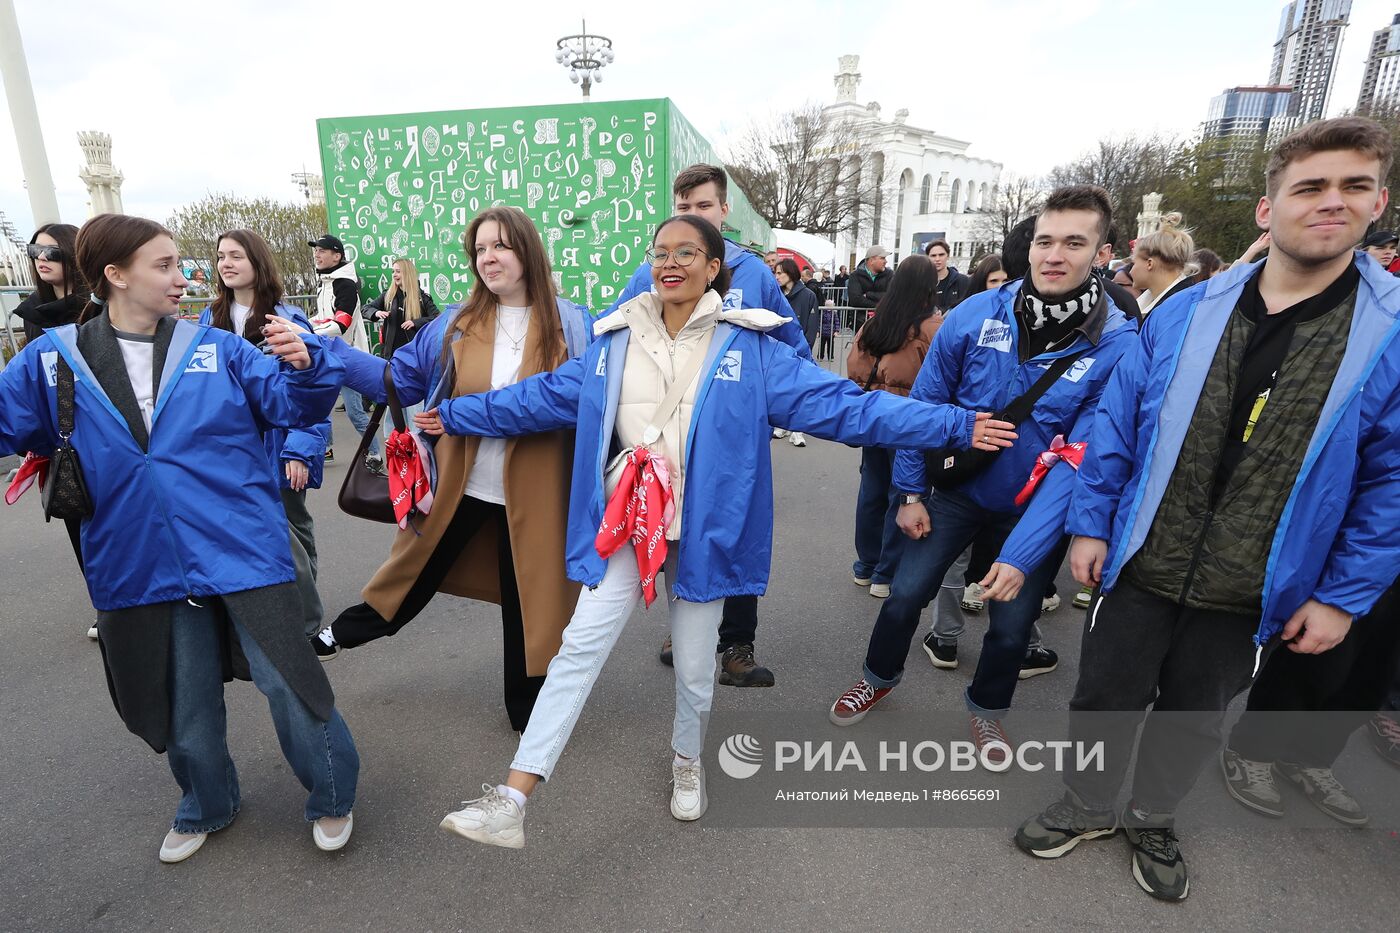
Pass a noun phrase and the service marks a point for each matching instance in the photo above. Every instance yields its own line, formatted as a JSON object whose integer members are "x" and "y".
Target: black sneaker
{"x": 739, "y": 669}
{"x": 1061, "y": 826}
{"x": 666, "y": 658}
{"x": 1038, "y": 660}
{"x": 944, "y": 657}
{"x": 325, "y": 644}
{"x": 1158, "y": 866}
{"x": 330, "y": 455}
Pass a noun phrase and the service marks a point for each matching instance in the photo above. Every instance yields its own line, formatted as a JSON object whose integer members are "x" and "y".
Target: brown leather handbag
{"x": 365, "y": 493}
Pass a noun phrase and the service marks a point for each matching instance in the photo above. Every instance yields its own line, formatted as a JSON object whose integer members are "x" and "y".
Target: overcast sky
{"x": 206, "y": 97}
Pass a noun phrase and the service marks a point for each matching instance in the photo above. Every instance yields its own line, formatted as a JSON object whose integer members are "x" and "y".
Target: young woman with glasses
{"x": 672, "y": 405}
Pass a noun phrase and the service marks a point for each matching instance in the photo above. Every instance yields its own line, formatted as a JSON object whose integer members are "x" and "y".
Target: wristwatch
{"x": 909, "y": 498}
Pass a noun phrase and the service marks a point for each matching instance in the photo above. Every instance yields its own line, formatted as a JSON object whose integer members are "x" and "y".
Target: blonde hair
{"x": 412, "y": 305}
{"x": 1171, "y": 244}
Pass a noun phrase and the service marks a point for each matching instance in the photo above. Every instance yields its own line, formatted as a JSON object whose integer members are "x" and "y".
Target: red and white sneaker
{"x": 851, "y": 706}
{"x": 989, "y": 735}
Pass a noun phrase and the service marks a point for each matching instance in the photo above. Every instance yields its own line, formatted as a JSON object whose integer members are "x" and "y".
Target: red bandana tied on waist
{"x": 34, "y": 467}
{"x": 639, "y": 512}
{"x": 409, "y": 487}
{"x": 1073, "y": 454}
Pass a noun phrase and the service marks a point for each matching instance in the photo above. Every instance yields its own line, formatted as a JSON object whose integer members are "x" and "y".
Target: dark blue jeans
{"x": 956, "y": 520}
{"x": 879, "y": 542}
{"x": 322, "y": 754}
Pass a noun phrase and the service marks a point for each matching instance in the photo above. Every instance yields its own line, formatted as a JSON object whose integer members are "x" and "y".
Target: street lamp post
{"x": 585, "y": 56}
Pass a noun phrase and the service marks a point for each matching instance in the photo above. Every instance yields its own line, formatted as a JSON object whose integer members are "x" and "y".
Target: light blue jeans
{"x": 359, "y": 418}
{"x": 588, "y": 640}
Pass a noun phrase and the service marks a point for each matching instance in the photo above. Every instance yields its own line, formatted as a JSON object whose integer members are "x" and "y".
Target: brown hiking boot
{"x": 739, "y": 669}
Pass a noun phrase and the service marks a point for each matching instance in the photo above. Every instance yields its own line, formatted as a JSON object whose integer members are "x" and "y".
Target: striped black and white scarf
{"x": 1063, "y": 312}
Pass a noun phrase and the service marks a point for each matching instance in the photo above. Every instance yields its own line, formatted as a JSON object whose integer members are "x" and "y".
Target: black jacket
{"x": 804, "y": 304}
{"x": 1121, "y": 296}
{"x": 863, "y": 291}
{"x": 39, "y": 315}
{"x": 393, "y": 335}
{"x": 952, "y": 290}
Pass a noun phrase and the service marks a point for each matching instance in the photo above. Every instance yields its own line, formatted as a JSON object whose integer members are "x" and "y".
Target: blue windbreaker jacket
{"x": 197, "y": 514}
{"x": 1338, "y": 540}
{"x": 975, "y": 362}
{"x": 307, "y": 444}
{"x": 753, "y": 287}
{"x": 749, "y": 383}
{"x": 419, "y": 375}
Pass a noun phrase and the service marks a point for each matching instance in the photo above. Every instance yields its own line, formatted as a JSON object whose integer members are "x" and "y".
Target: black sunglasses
{"x": 45, "y": 253}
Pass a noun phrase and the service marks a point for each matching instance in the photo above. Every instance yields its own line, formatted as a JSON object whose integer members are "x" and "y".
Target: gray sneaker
{"x": 493, "y": 818}
{"x": 1061, "y": 826}
{"x": 1158, "y": 867}
{"x": 1322, "y": 788}
{"x": 688, "y": 799}
{"x": 1251, "y": 782}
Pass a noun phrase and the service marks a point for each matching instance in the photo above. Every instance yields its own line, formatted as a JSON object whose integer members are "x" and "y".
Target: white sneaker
{"x": 493, "y": 819}
{"x": 176, "y": 847}
{"x": 860, "y": 581}
{"x": 797, "y": 439}
{"x": 688, "y": 800}
{"x": 1050, "y": 603}
{"x": 880, "y": 590}
{"x": 92, "y": 630}
{"x": 326, "y": 836}
{"x": 780, "y": 433}
{"x": 972, "y": 598}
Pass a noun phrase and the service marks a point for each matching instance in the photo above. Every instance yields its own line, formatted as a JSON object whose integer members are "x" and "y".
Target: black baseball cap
{"x": 328, "y": 242}
{"x": 1380, "y": 238}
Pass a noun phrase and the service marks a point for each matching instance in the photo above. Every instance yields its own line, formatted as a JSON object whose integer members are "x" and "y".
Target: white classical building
{"x": 934, "y": 189}
{"x": 104, "y": 182}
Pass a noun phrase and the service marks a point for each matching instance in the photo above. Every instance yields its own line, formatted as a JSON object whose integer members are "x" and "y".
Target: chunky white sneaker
{"x": 92, "y": 630}
{"x": 493, "y": 818}
{"x": 972, "y": 600}
{"x": 330, "y": 834}
{"x": 797, "y": 439}
{"x": 780, "y": 433}
{"x": 1050, "y": 603}
{"x": 860, "y": 581}
{"x": 688, "y": 800}
{"x": 880, "y": 590}
{"x": 176, "y": 847}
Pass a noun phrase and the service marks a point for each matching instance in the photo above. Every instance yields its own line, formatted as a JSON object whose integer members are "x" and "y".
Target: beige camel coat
{"x": 537, "y": 469}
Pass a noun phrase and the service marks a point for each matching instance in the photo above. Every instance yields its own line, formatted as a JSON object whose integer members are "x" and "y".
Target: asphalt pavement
{"x": 85, "y": 803}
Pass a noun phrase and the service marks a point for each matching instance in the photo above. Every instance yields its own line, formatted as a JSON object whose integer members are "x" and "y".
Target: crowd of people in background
{"x": 1190, "y": 436}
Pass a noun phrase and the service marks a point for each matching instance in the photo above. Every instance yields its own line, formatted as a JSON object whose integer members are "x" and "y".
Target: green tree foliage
{"x": 286, "y": 225}
{"x": 1216, "y": 187}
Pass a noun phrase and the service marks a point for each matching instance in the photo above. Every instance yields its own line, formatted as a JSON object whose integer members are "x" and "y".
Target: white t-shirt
{"x": 138, "y": 352}
{"x": 487, "y": 479}
{"x": 240, "y": 314}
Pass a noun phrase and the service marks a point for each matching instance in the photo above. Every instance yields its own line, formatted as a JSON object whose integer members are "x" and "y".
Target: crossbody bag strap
{"x": 395, "y": 409}
{"x": 1020, "y": 408}
{"x": 668, "y": 405}
{"x": 874, "y": 371}
{"x": 65, "y": 399}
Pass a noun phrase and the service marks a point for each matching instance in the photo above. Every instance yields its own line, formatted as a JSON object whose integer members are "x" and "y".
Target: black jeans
{"x": 740, "y": 622}
{"x": 1187, "y": 664}
{"x": 824, "y": 347}
{"x": 360, "y": 624}
{"x": 1347, "y": 685}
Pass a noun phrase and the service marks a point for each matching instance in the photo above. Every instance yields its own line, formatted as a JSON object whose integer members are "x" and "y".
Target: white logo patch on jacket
{"x": 205, "y": 359}
{"x": 1077, "y": 371}
{"x": 602, "y": 369}
{"x": 996, "y": 335}
{"x": 50, "y": 361}
{"x": 734, "y": 300}
{"x": 731, "y": 366}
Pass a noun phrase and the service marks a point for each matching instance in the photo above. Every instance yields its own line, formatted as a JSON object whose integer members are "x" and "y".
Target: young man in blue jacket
{"x": 704, "y": 190}
{"x": 994, "y": 349}
{"x": 1241, "y": 490}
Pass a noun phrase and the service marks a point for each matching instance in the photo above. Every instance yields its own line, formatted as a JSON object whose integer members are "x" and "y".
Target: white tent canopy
{"x": 818, "y": 250}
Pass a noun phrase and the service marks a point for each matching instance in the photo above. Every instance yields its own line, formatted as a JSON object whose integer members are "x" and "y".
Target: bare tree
{"x": 287, "y": 226}
{"x": 803, "y": 170}
{"x": 1018, "y": 197}
{"x": 1128, "y": 167}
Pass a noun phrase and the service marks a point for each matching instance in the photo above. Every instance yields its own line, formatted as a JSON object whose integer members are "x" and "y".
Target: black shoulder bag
{"x": 364, "y": 493}
{"x": 949, "y": 468}
{"x": 65, "y": 495}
